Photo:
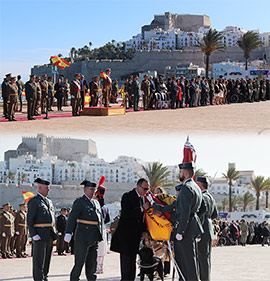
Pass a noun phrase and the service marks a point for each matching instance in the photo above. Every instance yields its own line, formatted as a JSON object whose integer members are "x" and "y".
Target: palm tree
{"x": 211, "y": 42}
{"x": 157, "y": 175}
{"x": 224, "y": 203}
{"x": 235, "y": 201}
{"x": 267, "y": 189}
{"x": 249, "y": 42}
{"x": 231, "y": 175}
{"x": 144, "y": 44}
{"x": 60, "y": 55}
{"x": 72, "y": 52}
{"x": 257, "y": 184}
{"x": 24, "y": 178}
{"x": 11, "y": 176}
{"x": 200, "y": 173}
{"x": 246, "y": 199}
{"x": 90, "y": 45}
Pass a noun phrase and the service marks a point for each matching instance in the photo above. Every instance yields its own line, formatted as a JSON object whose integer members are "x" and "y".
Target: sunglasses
{"x": 144, "y": 188}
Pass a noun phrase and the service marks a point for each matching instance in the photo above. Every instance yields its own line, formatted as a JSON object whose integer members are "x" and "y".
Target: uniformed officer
{"x": 107, "y": 87}
{"x": 85, "y": 223}
{"x": 205, "y": 244}
{"x": 4, "y": 94}
{"x": 44, "y": 93}
{"x": 31, "y": 96}
{"x": 50, "y": 93}
{"x": 61, "y": 223}
{"x": 7, "y": 230}
{"x": 145, "y": 87}
{"x": 21, "y": 231}
{"x": 75, "y": 88}
{"x": 20, "y": 86}
{"x": 40, "y": 222}
{"x": 188, "y": 223}
{"x": 12, "y": 96}
{"x": 38, "y": 100}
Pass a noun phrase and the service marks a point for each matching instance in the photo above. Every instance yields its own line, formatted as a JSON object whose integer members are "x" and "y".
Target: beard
{"x": 182, "y": 178}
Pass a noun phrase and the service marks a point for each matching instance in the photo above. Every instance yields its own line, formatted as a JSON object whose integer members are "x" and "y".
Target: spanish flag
{"x": 103, "y": 75}
{"x": 27, "y": 195}
{"x": 61, "y": 63}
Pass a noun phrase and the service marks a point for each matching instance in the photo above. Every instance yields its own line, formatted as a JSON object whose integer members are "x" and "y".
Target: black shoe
{"x": 13, "y": 119}
{"x": 4, "y": 256}
{"x": 19, "y": 256}
{"x": 10, "y": 120}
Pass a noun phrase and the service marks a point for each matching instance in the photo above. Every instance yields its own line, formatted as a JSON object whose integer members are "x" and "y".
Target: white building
{"x": 231, "y": 34}
{"x": 3, "y": 172}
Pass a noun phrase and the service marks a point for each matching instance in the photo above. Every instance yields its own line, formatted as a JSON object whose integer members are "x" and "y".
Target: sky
{"x": 214, "y": 152}
{"x": 33, "y": 30}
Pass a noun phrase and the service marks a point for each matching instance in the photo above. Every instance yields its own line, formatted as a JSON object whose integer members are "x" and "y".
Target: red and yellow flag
{"x": 27, "y": 195}
{"x": 61, "y": 63}
{"x": 103, "y": 75}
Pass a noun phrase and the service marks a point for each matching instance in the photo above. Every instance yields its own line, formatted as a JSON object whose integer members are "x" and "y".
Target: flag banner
{"x": 27, "y": 195}
{"x": 103, "y": 75}
{"x": 189, "y": 152}
{"x": 61, "y": 63}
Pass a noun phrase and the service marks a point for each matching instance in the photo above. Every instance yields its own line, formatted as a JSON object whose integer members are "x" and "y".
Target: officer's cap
{"x": 63, "y": 209}
{"x": 187, "y": 165}
{"x": 32, "y": 75}
{"x": 44, "y": 75}
{"x": 6, "y": 204}
{"x": 203, "y": 180}
{"x": 88, "y": 184}
{"x": 77, "y": 74}
{"x": 22, "y": 204}
{"x": 12, "y": 78}
{"x": 7, "y": 75}
{"x": 41, "y": 181}
{"x": 37, "y": 77}
{"x": 108, "y": 69}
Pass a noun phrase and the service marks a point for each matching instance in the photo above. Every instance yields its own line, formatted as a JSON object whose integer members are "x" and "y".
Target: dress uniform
{"x": 40, "y": 222}
{"x": 205, "y": 244}
{"x": 107, "y": 88}
{"x": 7, "y": 231}
{"x": 31, "y": 96}
{"x": 75, "y": 89}
{"x": 145, "y": 87}
{"x": 85, "y": 223}
{"x": 20, "y": 231}
{"x": 188, "y": 226}
{"x": 38, "y": 100}
{"x": 44, "y": 93}
{"x": 20, "y": 86}
{"x": 50, "y": 93}
{"x": 244, "y": 232}
{"x": 12, "y": 96}
{"x": 4, "y": 94}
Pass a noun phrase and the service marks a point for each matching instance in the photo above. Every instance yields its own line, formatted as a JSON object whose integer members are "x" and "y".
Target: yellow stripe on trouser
{"x": 87, "y": 222}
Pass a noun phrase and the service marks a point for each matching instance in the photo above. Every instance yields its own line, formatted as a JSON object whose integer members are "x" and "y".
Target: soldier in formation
{"x": 31, "y": 97}
{"x": 75, "y": 89}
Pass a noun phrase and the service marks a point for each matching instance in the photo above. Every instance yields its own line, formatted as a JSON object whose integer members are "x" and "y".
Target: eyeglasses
{"x": 144, "y": 188}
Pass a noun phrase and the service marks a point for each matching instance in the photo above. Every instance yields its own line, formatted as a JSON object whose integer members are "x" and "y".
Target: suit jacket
{"x": 41, "y": 211}
{"x": 61, "y": 223}
{"x": 31, "y": 91}
{"x": 127, "y": 236}
{"x": 83, "y": 209}
{"x": 210, "y": 214}
{"x": 187, "y": 205}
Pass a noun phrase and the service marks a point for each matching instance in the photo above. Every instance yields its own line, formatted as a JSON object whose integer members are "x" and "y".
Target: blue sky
{"x": 32, "y": 31}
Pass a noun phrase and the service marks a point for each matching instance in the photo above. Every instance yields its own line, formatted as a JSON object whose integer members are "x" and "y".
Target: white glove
{"x": 36, "y": 237}
{"x": 4, "y": 234}
{"x": 59, "y": 233}
{"x": 67, "y": 237}
{"x": 198, "y": 239}
{"x": 17, "y": 232}
{"x": 179, "y": 237}
{"x": 150, "y": 199}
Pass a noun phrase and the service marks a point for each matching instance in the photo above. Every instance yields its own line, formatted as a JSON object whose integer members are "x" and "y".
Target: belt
{"x": 21, "y": 224}
{"x": 77, "y": 90}
{"x": 88, "y": 222}
{"x": 44, "y": 225}
{"x": 8, "y": 225}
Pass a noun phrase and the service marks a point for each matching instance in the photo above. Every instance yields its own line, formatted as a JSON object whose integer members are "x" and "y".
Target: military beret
{"x": 9, "y": 74}
{"x": 6, "y": 204}
{"x": 41, "y": 181}
{"x": 88, "y": 184}
{"x": 187, "y": 165}
{"x": 203, "y": 180}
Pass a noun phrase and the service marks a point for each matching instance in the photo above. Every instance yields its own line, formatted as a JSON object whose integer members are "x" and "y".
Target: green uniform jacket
{"x": 83, "y": 209}
{"x": 31, "y": 90}
{"x": 7, "y": 223}
{"x": 12, "y": 92}
{"x": 41, "y": 211}
{"x": 188, "y": 203}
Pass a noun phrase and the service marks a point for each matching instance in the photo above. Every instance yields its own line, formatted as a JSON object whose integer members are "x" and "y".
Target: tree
{"x": 246, "y": 200}
{"x": 200, "y": 173}
{"x": 60, "y": 55}
{"x": 249, "y": 42}
{"x": 11, "y": 176}
{"x": 157, "y": 175}
{"x": 224, "y": 203}
{"x": 235, "y": 201}
{"x": 210, "y": 43}
{"x": 24, "y": 178}
{"x": 90, "y": 45}
{"x": 72, "y": 52}
{"x": 231, "y": 175}
{"x": 257, "y": 184}
{"x": 266, "y": 189}
{"x": 144, "y": 44}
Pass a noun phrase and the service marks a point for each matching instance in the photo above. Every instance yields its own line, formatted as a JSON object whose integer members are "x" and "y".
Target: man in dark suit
{"x": 188, "y": 223}
{"x": 135, "y": 92}
{"x": 131, "y": 229}
{"x": 174, "y": 91}
{"x": 85, "y": 223}
{"x": 205, "y": 244}
{"x": 40, "y": 221}
{"x": 61, "y": 223}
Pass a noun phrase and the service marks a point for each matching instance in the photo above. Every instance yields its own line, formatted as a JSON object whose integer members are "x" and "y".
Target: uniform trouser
{"x": 185, "y": 256}
{"x": 12, "y": 106}
{"x": 94, "y": 100}
{"x": 82, "y": 100}
{"x": 5, "y": 107}
{"x": 106, "y": 98}
{"x": 37, "y": 102}
{"x": 31, "y": 108}
{"x": 5, "y": 244}
{"x": 43, "y": 102}
{"x": 12, "y": 244}
{"x": 61, "y": 244}
{"x": 20, "y": 243}
{"x": 136, "y": 101}
{"x": 50, "y": 99}
{"x": 65, "y": 98}
{"x": 75, "y": 103}
{"x": 128, "y": 266}
{"x": 20, "y": 100}
{"x": 85, "y": 253}
{"x": 204, "y": 256}
{"x": 146, "y": 100}
{"x": 42, "y": 252}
